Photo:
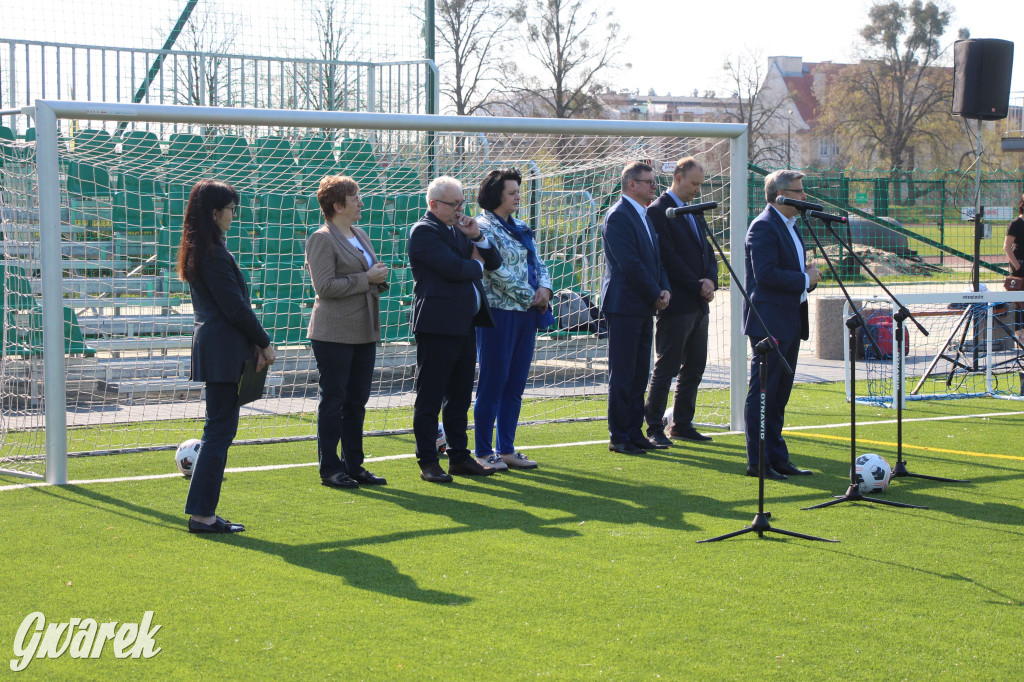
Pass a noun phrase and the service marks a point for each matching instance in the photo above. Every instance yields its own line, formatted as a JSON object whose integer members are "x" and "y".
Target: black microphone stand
{"x": 899, "y": 333}
{"x": 853, "y": 322}
{"x": 760, "y": 524}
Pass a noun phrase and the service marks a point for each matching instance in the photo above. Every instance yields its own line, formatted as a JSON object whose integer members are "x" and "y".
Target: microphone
{"x": 692, "y": 208}
{"x": 797, "y": 204}
{"x": 827, "y": 217}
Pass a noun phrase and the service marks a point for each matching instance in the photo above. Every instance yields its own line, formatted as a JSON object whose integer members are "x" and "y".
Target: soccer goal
{"x": 974, "y": 347}
{"x": 97, "y": 329}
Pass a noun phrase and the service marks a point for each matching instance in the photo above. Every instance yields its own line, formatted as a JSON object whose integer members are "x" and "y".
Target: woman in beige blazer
{"x": 344, "y": 330}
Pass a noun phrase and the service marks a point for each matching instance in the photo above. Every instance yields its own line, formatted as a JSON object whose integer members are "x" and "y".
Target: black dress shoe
{"x": 625, "y": 448}
{"x": 769, "y": 473}
{"x": 647, "y": 444}
{"x": 689, "y": 434}
{"x": 469, "y": 467}
{"x": 659, "y": 438}
{"x": 219, "y": 525}
{"x": 790, "y": 470}
{"x": 433, "y": 473}
{"x": 339, "y": 480}
{"x": 364, "y": 477}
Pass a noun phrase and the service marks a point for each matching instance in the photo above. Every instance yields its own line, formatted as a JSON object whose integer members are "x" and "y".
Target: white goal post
{"x": 699, "y": 138}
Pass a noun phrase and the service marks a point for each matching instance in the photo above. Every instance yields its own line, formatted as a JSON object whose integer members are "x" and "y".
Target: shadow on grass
{"x": 359, "y": 569}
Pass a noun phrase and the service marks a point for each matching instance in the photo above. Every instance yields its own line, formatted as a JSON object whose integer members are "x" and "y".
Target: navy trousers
{"x": 220, "y": 429}
{"x": 629, "y": 366}
{"x": 778, "y": 387}
{"x": 504, "y": 353}
{"x": 445, "y": 368}
{"x": 346, "y": 376}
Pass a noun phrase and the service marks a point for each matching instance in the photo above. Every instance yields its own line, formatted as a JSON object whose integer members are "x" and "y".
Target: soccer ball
{"x": 185, "y": 456}
{"x": 669, "y": 419}
{"x": 872, "y": 473}
{"x": 442, "y": 442}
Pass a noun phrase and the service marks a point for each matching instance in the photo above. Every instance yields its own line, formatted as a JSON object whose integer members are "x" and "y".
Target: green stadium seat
{"x": 394, "y": 320}
{"x": 95, "y": 146}
{"x": 277, "y": 170}
{"x": 378, "y": 210}
{"x": 232, "y": 162}
{"x": 6, "y": 134}
{"x": 135, "y": 224}
{"x": 142, "y": 163}
{"x": 563, "y": 276}
{"x": 409, "y": 208}
{"x": 307, "y": 209}
{"x": 358, "y": 161}
{"x": 400, "y": 281}
{"x": 315, "y": 160}
{"x": 404, "y": 180}
{"x": 284, "y": 322}
{"x": 279, "y": 209}
{"x": 24, "y": 335}
{"x": 187, "y": 160}
{"x": 87, "y": 180}
{"x": 283, "y": 240}
{"x": 6, "y": 149}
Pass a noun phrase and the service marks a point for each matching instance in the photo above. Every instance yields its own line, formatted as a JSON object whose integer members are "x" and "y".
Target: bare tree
{"x": 327, "y": 85}
{"x": 471, "y": 34}
{"x": 574, "y": 47}
{"x": 764, "y": 110}
{"x": 210, "y": 31}
{"x": 894, "y": 103}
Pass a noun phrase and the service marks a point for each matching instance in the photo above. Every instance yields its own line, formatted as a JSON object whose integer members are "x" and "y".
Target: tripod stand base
{"x": 853, "y": 494}
{"x": 900, "y": 471}
{"x": 761, "y": 526}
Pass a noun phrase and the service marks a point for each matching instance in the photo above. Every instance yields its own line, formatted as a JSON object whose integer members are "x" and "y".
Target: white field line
{"x": 272, "y": 467}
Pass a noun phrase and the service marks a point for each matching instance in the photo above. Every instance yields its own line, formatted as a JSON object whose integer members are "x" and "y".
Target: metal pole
{"x": 979, "y": 220}
{"x": 738, "y": 232}
{"x": 54, "y": 387}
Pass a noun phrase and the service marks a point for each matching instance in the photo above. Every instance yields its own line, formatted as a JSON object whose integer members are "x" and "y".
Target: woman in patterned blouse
{"x": 519, "y": 294}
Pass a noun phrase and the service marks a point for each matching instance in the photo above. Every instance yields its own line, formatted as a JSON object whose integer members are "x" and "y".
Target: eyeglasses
{"x": 798, "y": 190}
{"x": 233, "y": 208}
{"x": 652, "y": 182}
{"x": 457, "y": 205}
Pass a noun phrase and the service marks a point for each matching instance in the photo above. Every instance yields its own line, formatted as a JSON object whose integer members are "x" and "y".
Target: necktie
{"x": 693, "y": 223}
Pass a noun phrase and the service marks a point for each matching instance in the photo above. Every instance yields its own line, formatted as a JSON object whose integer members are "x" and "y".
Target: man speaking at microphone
{"x": 681, "y": 329}
{"x": 777, "y": 279}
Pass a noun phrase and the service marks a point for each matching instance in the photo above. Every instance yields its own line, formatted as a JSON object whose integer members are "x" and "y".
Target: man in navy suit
{"x": 448, "y": 254}
{"x": 634, "y": 288}
{"x": 778, "y": 279}
{"x": 681, "y": 331}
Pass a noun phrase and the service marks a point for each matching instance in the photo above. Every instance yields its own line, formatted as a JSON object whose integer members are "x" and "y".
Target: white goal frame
{"x": 47, "y": 113}
{"x": 898, "y": 361}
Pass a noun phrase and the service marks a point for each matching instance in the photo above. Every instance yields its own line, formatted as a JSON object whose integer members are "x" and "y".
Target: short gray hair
{"x": 779, "y": 180}
{"x": 633, "y": 171}
{"x": 438, "y": 186}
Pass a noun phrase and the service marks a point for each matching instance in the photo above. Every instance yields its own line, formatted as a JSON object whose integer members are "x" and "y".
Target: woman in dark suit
{"x": 227, "y": 334}
{"x": 344, "y": 330}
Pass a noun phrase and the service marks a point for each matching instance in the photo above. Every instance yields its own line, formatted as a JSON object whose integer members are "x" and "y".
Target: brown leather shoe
{"x": 469, "y": 467}
{"x": 433, "y": 473}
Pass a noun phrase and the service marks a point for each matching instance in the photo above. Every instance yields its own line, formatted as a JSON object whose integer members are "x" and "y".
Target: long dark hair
{"x": 199, "y": 233}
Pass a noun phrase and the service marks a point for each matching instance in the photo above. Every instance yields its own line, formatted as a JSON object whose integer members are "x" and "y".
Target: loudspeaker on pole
{"x": 982, "y": 68}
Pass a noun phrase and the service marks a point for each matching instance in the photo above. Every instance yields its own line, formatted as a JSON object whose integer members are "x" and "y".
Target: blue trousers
{"x": 504, "y": 353}
{"x": 346, "y": 375}
{"x": 219, "y": 431}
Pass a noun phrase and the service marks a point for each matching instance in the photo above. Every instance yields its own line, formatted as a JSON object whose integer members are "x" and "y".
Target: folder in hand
{"x": 250, "y": 386}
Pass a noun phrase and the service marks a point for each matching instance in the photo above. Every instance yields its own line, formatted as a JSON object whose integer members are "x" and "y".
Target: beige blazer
{"x": 347, "y": 306}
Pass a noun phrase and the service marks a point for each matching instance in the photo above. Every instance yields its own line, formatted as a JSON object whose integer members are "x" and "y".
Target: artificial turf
{"x": 587, "y": 567}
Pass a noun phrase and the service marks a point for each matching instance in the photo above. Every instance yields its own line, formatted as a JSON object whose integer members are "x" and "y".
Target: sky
{"x": 678, "y": 47}
{"x": 674, "y": 47}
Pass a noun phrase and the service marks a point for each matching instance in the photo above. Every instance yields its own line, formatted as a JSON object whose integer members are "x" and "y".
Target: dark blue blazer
{"x": 227, "y": 332}
{"x": 633, "y": 277}
{"x": 686, "y": 259}
{"x": 775, "y": 280}
{"x": 445, "y": 277}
